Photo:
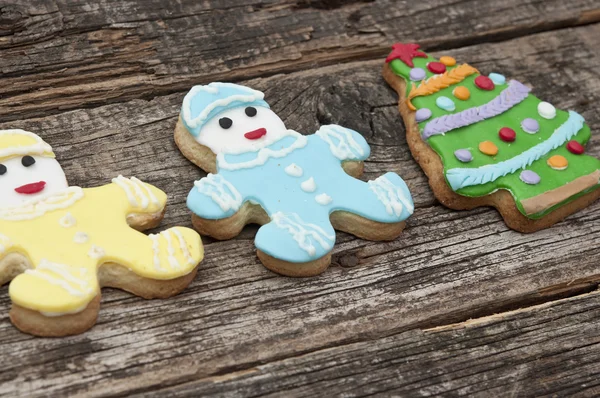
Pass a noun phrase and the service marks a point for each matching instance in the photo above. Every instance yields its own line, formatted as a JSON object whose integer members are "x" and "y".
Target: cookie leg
{"x": 54, "y": 299}
{"x": 374, "y": 210}
{"x": 36, "y": 323}
{"x": 295, "y": 246}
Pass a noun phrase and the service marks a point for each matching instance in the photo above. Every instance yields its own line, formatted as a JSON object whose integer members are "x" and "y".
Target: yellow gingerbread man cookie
{"x": 59, "y": 244}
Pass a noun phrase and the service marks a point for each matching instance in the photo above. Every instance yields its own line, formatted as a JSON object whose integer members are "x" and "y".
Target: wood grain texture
{"x": 548, "y": 350}
{"x": 68, "y": 54}
{"x": 103, "y": 82}
{"x": 447, "y": 266}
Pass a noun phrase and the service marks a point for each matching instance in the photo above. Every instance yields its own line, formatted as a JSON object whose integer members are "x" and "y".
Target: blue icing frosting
{"x": 463, "y": 177}
{"x": 202, "y": 103}
{"x": 445, "y": 103}
{"x": 497, "y": 78}
{"x": 300, "y": 230}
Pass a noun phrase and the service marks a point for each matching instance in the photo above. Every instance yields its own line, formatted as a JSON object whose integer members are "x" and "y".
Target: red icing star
{"x": 405, "y": 53}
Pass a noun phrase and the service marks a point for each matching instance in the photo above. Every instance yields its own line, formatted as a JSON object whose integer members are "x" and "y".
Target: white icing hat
{"x": 202, "y": 103}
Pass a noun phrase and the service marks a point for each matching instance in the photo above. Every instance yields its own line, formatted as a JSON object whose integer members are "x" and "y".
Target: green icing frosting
{"x": 469, "y": 137}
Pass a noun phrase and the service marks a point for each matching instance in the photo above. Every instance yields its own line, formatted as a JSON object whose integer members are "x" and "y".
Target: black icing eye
{"x": 3, "y": 169}
{"x": 250, "y": 111}
{"x": 225, "y": 122}
{"x": 27, "y": 161}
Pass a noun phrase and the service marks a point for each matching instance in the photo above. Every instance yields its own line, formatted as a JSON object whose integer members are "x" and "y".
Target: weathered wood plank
{"x": 66, "y": 54}
{"x": 547, "y": 350}
{"x": 447, "y": 266}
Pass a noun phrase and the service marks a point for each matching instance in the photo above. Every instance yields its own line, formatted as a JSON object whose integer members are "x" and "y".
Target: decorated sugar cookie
{"x": 299, "y": 188}
{"x": 486, "y": 141}
{"x": 60, "y": 244}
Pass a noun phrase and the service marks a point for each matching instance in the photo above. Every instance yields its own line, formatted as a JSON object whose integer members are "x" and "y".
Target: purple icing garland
{"x": 509, "y": 97}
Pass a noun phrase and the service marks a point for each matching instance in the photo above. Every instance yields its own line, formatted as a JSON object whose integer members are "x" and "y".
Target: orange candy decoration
{"x": 558, "y": 162}
{"x": 448, "y": 61}
{"x": 462, "y": 93}
{"x": 431, "y": 86}
{"x": 488, "y": 148}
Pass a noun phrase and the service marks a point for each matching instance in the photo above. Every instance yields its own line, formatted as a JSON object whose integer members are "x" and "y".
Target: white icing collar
{"x": 38, "y": 207}
{"x": 280, "y": 148}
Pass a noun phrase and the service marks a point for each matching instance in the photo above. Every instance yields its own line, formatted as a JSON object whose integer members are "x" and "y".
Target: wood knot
{"x": 11, "y": 18}
{"x": 347, "y": 261}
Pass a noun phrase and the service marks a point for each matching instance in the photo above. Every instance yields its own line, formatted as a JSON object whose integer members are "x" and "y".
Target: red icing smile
{"x": 256, "y": 134}
{"x": 29, "y": 189}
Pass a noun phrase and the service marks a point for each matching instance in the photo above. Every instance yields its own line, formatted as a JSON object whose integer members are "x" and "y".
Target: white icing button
{"x": 323, "y": 199}
{"x": 294, "y": 170}
{"x": 546, "y": 110}
{"x": 309, "y": 185}
{"x": 80, "y": 237}
{"x": 96, "y": 252}
{"x": 67, "y": 221}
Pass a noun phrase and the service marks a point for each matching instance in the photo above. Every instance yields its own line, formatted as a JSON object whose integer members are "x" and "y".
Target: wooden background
{"x": 458, "y": 305}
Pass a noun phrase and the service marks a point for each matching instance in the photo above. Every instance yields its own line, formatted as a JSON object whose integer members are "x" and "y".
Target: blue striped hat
{"x": 202, "y": 103}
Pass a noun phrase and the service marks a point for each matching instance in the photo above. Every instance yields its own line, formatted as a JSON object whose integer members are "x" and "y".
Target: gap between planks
{"x": 540, "y": 299}
{"x": 309, "y": 59}
{"x": 231, "y": 374}
{"x": 586, "y": 288}
{"x": 472, "y": 322}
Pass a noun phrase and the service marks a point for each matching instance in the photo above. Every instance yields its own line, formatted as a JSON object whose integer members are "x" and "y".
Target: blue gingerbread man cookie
{"x": 299, "y": 188}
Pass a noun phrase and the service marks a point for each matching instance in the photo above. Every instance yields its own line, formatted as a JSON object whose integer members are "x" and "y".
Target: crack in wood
{"x": 328, "y": 4}
{"x": 547, "y": 297}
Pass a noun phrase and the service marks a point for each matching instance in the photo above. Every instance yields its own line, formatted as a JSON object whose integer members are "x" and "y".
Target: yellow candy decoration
{"x": 462, "y": 93}
{"x": 488, "y": 148}
{"x": 558, "y": 162}
{"x": 448, "y": 61}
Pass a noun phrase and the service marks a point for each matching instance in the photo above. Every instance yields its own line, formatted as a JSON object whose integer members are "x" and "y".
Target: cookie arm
{"x": 6, "y": 247}
{"x": 142, "y": 198}
{"x": 344, "y": 143}
{"x": 5, "y": 244}
{"x": 214, "y": 198}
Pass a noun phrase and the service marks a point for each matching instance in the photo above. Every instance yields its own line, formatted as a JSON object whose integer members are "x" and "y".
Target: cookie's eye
{"x": 27, "y": 161}
{"x": 3, "y": 169}
{"x": 250, "y": 111}
{"x": 225, "y": 122}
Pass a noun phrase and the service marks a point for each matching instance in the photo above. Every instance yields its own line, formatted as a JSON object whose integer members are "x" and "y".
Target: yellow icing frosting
{"x": 20, "y": 142}
{"x": 49, "y": 231}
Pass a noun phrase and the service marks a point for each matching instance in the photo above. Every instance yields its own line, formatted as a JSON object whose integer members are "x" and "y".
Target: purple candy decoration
{"x": 530, "y": 125}
{"x": 509, "y": 97}
{"x": 464, "y": 155}
{"x": 423, "y": 114}
{"x": 417, "y": 74}
{"x": 530, "y": 177}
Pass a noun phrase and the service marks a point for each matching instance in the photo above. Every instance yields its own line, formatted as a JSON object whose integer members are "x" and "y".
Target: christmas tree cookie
{"x": 298, "y": 187}
{"x": 487, "y": 141}
{"x": 60, "y": 244}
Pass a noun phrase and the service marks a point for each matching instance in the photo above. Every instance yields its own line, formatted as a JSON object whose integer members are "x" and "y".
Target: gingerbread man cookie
{"x": 59, "y": 244}
{"x": 486, "y": 141}
{"x": 299, "y": 188}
